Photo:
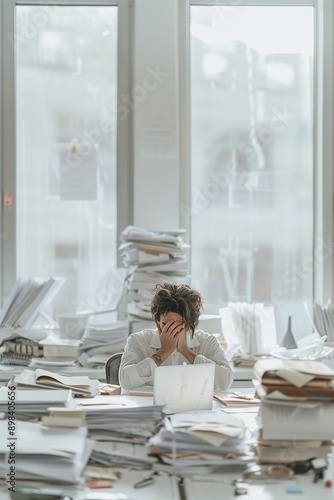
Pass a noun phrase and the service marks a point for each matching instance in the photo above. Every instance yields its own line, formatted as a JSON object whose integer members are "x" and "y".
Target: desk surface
{"x": 164, "y": 487}
{"x": 215, "y": 487}
{"x": 220, "y": 487}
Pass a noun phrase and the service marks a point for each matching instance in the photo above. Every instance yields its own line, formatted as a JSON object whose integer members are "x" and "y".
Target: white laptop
{"x": 184, "y": 387}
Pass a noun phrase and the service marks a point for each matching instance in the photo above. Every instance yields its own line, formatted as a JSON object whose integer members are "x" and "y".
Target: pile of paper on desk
{"x": 41, "y": 453}
{"x": 33, "y": 404}
{"x": 120, "y": 434}
{"x": 202, "y": 438}
{"x": 101, "y": 340}
{"x": 296, "y": 409}
{"x": 33, "y": 379}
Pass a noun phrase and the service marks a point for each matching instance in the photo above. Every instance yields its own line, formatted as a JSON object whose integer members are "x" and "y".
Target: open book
{"x": 80, "y": 385}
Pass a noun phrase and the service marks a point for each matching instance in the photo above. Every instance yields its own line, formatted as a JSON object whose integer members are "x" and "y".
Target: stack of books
{"x": 151, "y": 257}
{"x": 296, "y": 410}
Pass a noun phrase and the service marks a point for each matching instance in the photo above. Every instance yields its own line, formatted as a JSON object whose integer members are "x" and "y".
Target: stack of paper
{"x": 27, "y": 298}
{"x": 248, "y": 328}
{"x": 296, "y": 409}
{"x": 324, "y": 320}
{"x": 246, "y": 360}
{"x": 101, "y": 340}
{"x": 236, "y": 399}
{"x": 46, "y": 454}
{"x": 295, "y": 379}
{"x": 122, "y": 432}
{"x": 202, "y": 438}
{"x": 151, "y": 257}
{"x": 33, "y": 404}
{"x": 80, "y": 385}
{"x": 122, "y": 454}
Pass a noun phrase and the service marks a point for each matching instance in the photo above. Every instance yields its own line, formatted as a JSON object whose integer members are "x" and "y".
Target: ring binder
{"x": 15, "y": 359}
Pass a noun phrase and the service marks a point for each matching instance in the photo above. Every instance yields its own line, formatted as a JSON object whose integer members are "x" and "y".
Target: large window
{"x": 64, "y": 61}
{"x": 252, "y": 152}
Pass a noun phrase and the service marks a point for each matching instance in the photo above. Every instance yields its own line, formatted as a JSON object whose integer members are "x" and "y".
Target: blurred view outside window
{"x": 66, "y": 90}
{"x": 251, "y": 207}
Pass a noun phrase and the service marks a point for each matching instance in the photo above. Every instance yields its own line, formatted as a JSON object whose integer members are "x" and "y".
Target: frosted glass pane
{"x": 66, "y": 93}
{"x": 251, "y": 207}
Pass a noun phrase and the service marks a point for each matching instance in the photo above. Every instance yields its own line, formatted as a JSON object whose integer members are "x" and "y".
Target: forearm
{"x": 160, "y": 356}
{"x": 136, "y": 374}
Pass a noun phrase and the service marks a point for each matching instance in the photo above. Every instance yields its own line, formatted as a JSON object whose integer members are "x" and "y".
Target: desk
{"x": 164, "y": 487}
{"x": 199, "y": 489}
{"x": 214, "y": 487}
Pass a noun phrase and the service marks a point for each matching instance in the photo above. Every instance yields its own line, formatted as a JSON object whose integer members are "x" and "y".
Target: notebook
{"x": 184, "y": 387}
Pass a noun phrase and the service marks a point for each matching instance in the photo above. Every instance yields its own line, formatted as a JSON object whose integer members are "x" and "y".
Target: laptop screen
{"x": 184, "y": 387}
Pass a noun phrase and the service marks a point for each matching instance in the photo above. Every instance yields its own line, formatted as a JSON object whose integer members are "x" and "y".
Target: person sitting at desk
{"x": 176, "y": 310}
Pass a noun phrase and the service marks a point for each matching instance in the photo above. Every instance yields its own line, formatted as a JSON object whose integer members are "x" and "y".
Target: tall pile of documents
{"x": 151, "y": 257}
{"x": 101, "y": 340}
{"x": 296, "y": 409}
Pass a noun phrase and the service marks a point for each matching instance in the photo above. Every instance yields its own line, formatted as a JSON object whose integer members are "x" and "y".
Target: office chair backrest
{"x": 112, "y": 368}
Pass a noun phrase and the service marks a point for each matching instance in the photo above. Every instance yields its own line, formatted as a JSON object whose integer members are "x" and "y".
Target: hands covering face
{"x": 172, "y": 335}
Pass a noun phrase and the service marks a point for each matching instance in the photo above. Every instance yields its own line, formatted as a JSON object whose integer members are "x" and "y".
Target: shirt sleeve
{"x": 137, "y": 367}
{"x": 212, "y": 352}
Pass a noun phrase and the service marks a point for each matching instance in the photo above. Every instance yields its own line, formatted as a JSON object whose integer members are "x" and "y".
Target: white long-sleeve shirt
{"x": 137, "y": 367}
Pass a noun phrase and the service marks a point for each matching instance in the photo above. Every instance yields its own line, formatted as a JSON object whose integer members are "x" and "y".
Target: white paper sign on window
{"x": 75, "y": 171}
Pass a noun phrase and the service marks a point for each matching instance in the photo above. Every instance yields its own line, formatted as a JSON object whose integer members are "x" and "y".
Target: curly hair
{"x": 180, "y": 299}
